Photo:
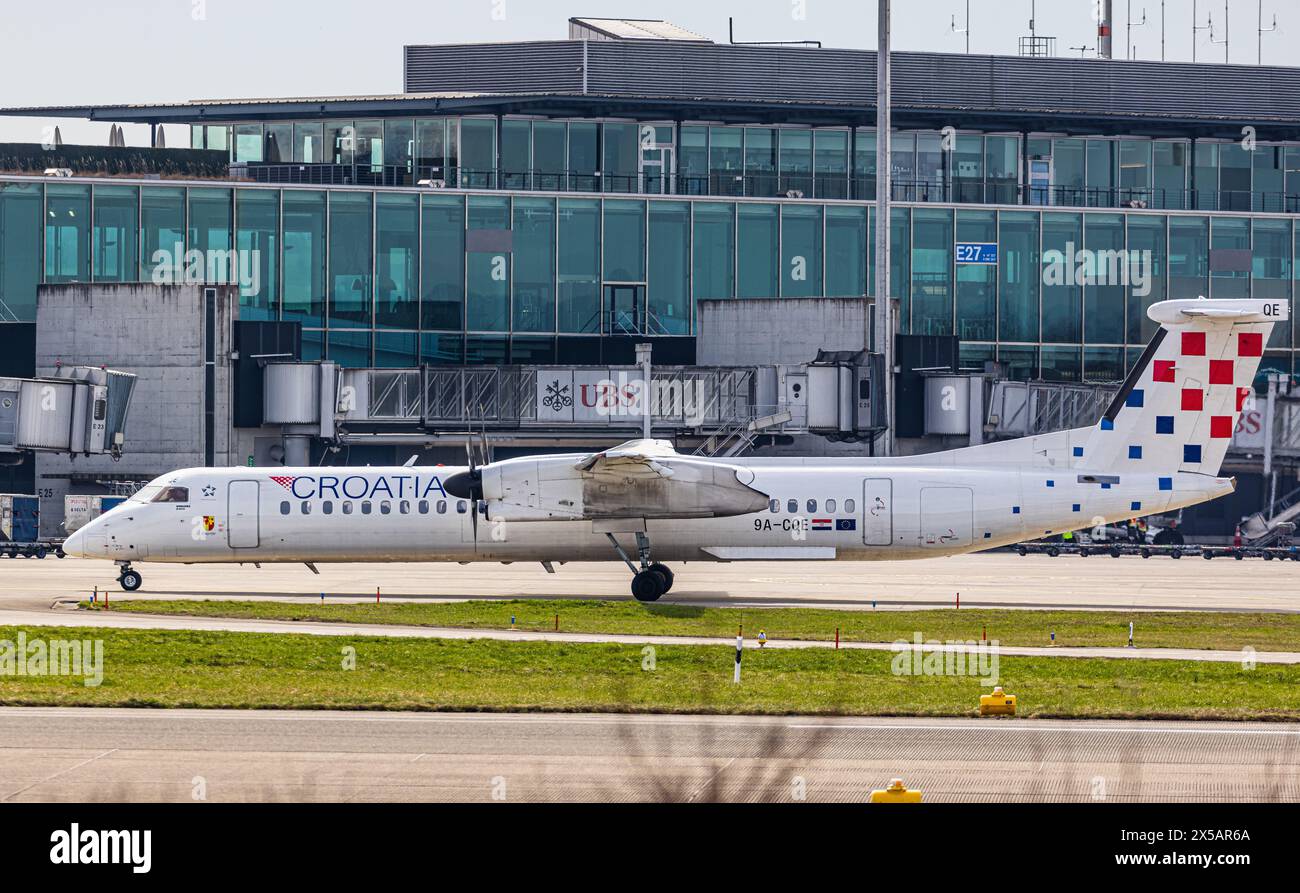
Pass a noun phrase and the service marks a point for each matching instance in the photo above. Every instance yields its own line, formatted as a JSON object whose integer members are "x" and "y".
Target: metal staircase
{"x": 738, "y": 434}
{"x": 1261, "y": 528}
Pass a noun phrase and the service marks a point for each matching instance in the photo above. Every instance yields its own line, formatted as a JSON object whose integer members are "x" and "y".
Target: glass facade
{"x": 402, "y": 277}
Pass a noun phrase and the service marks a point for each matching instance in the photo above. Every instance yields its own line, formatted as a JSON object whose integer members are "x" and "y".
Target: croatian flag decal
{"x": 821, "y": 524}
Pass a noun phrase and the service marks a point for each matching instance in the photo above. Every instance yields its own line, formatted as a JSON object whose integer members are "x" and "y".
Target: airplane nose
{"x": 75, "y": 545}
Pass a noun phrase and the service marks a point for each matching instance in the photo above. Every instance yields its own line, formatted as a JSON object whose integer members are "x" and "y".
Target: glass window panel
{"x": 693, "y": 161}
{"x": 1135, "y": 171}
{"x": 902, "y": 157}
{"x": 932, "y": 241}
{"x": 1103, "y": 364}
{"x": 761, "y": 162}
{"x": 584, "y": 157}
{"x": 397, "y": 258}
{"x": 1101, "y": 179}
{"x": 1060, "y": 364}
{"x": 351, "y": 261}
{"x": 248, "y": 142}
{"x": 624, "y": 241}
{"x": 1171, "y": 168}
{"x": 1062, "y": 291}
{"x": 846, "y": 250}
{"x": 442, "y": 296}
{"x": 550, "y": 146}
{"x": 974, "y": 356}
{"x": 796, "y": 161}
{"x": 968, "y": 169}
{"x": 67, "y": 233}
{"x": 1068, "y": 166}
{"x": 350, "y": 349}
{"x": 441, "y": 349}
{"x": 1189, "y": 257}
{"x": 399, "y": 144}
{"x": 759, "y": 255}
{"x": 864, "y": 164}
{"x": 668, "y": 290}
{"x": 340, "y": 142}
{"x": 431, "y": 150}
{"x": 532, "y": 351}
{"x": 1019, "y": 275}
{"x": 831, "y": 160}
{"x": 218, "y": 137}
{"x": 453, "y": 152}
{"x": 977, "y": 283}
{"x": 20, "y": 250}
{"x": 801, "y": 251}
{"x": 396, "y": 350}
{"x": 488, "y": 272}
{"x": 485, "y": 350}
{"x": 116, "y": 228}
{"x": 726, "y": 161}
{"x": 1234, "y": 177}
{"x": 621, "y": 157}
{"x": 279, "y": 143}
{"x": 369, "y": 157}
{"x": 313, "y": 345}
{"x": 1021, "y": 362}
{"x": 1106, "y": 272}
{"x": 534, "y": 256}
{"x": 516, "y": 153}
{"x": 929, "y": 167}
{"x": 1002, "y": 168}
{"x": 162, "y": 213}
{"x": 1269, "y": 179}
{"x": 304, "y": 257}
{"x": 1226, "y": 279}
{"x": 579, "y": 271}
{"x": 478, "y": 153}
{"x": 1148, "y": 257}
{"x": 1271, "y": 269}
{"x": 715, "y": 250}
{"x": 1292, "y": 160}
{"x": 258, "y": 256}
{"x": 1205, "y": 175}
{"x": 210, "y": 232}
{"x": 307, "y": 143}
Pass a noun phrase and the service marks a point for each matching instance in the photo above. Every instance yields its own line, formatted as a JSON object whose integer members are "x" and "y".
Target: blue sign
{"x": 977, "y": 252}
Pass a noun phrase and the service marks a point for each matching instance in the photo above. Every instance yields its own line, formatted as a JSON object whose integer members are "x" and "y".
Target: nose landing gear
{"x": 653, "y": 579}
{"x": 129, "y": 579}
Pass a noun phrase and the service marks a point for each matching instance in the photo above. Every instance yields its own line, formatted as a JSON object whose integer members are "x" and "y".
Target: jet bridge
{"x": 80, "y": 410}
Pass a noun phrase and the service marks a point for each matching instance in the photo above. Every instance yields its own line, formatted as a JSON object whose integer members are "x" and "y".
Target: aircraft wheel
{"x": 663, "y": 571}
{"x": 648, "y": 585}
{"x": 1175, "y": 554}
{"x": 1022, "y": 551}
{"x": 1115, "y": 552}
{"x": 1145, "y": 553}
{"x": 1207, "y": 555}
{"x": 130, "y": 580}
{"x": 1052, "y": 551}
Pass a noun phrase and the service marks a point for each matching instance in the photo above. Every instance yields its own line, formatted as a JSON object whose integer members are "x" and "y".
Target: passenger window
{"x": 404, "y": 507}
{"x": 285, "y": 508}
{"x": 385, "y": 507}
{"x": 365, "y": 507}
{"x": 774, "y": 506}
{"x": 347, "y": 507}
{"x": 792, "y": 506}
{"x": 461, "y": 507}
{"x": 830, "y": 505}
{"x": 327, "y": 508}
{"x": 442, "y": 506}
{"x": 424, "y": 506}
{"x": 812, "y": 506}
{"x": 850, "y": 506}
{"x": 306, "y": 507}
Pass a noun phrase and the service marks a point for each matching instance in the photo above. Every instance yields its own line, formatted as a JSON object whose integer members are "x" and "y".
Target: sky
{"x": 75, "y": 52}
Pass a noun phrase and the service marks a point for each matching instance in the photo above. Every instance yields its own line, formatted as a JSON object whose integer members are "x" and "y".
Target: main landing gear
{"x": 129, "y": 579}
{"x": 653, "y": 579}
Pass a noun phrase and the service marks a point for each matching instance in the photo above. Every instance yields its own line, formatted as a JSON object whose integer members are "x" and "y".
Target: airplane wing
{"x": 633, "y": 457}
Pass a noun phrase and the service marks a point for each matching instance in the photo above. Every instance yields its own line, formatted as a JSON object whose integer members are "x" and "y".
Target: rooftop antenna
{"x": 1195, "y": 27}
{"x": 1103, "y": 12}
{"x": 1129, "y": 25}
{"x": 1083, "y": 50}
{"x": 1262, "y": 31}
{"x": 1226, "y": 36}
{"x": 966, "y": 30}
{"x": 1033, "y": 45}
{"x": 1162, "y": 30}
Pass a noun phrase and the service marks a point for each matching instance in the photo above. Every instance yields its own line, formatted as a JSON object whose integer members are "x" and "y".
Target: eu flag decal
{"x": 846, "y": 524}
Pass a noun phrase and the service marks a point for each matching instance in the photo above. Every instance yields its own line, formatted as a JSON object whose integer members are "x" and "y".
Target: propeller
{"x": 469, "y": 484}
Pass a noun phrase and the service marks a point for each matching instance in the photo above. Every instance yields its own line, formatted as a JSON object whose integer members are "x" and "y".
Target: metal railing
{"x": 1024, "y": 408}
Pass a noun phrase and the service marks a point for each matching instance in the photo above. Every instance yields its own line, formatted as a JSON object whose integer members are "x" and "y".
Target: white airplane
{"x": 1158, "y": 447}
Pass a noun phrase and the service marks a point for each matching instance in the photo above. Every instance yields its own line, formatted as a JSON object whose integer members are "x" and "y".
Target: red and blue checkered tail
{"x": 1178, "y": 408}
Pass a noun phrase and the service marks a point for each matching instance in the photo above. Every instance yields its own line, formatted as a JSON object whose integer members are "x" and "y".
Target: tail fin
{"x": 1178, "y": 407}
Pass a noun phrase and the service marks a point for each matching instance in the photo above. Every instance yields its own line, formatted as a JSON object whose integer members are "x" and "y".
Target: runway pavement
{"x": 53, "y": 754}
{"x": 1002, "y": 580}
{"x": 315, "y": 628}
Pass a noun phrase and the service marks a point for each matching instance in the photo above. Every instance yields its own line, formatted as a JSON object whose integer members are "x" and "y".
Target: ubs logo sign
{"x": 558, "y": 397}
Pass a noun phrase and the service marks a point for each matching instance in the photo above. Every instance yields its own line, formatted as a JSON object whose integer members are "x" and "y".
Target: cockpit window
{"x": 172, "y": 494}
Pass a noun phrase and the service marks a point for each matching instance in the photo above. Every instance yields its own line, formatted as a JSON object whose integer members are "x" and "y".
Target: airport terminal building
{"x": 552, "y": 204}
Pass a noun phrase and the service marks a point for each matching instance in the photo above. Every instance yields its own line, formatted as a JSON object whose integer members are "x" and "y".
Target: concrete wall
{"x": 778, "y": 331}
{"x": 157, "y": 332}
